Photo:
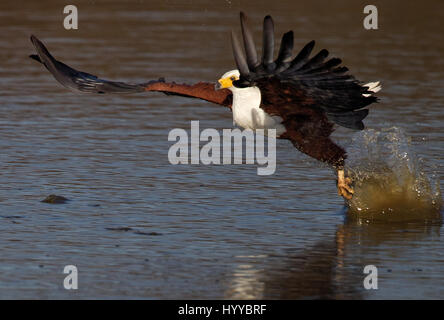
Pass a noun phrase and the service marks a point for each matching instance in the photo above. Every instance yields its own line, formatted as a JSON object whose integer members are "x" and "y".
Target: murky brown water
{"x": 201, "y": 231}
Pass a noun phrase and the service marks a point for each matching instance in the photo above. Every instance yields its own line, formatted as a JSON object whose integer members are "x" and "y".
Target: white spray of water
{"x": 389, "y": 180}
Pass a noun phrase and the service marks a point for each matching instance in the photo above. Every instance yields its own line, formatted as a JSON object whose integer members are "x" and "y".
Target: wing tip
{"x": 35, "y": 41}
{"x": 35, "y": 57}
{"x": 289, "y": 34}
{"x": 268, "y": 18}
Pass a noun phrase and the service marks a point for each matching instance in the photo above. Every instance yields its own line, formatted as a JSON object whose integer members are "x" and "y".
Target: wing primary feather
{"x": 286, "y": 49}
{"x": 316, "y": 61}
{"x": 302, "y": 57}
{"x": 250, "y": 47}
{"x": 340, "y": 70}
{"x": 239, "y": 57}
{"x": 268, "y": 41}
{"x": 327, "y": 66}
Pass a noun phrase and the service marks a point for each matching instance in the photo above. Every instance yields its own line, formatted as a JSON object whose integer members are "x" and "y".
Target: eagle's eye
{"x": 233, "y": 78}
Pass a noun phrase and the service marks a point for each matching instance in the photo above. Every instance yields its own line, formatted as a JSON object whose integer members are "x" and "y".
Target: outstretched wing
{"x": 85, "y": 82}
{"x": 302, "y": 81}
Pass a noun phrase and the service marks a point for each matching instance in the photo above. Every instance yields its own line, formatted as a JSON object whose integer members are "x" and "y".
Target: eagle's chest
{"x": 248, "y": 114}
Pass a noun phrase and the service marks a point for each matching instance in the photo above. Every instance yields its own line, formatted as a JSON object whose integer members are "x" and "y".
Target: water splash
{"x": 390, "y": 181}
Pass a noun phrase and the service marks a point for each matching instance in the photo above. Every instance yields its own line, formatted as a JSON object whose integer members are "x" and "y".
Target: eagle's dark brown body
{"x": 307, "y": 126}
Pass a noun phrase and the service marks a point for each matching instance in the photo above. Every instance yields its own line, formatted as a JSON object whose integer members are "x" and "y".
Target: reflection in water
{"x": 329, "y": 269}
{"x": 314, "y": 273}
{"x": 390, "y": 182}
{"x": 395, "y": 200}
{"x": 246, "y": 282}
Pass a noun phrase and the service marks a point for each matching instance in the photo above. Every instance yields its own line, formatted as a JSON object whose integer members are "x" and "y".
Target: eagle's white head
{"x": 226, "y": 81}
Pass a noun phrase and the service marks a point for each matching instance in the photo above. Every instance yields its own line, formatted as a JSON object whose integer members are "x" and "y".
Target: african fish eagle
{"x": 300, "y": 97}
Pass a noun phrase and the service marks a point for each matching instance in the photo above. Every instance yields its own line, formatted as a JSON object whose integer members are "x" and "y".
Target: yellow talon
{"x": 344, "y": 188}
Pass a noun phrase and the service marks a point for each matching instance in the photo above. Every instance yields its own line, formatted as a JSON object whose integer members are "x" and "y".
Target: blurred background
{"x": 139, "y": 227}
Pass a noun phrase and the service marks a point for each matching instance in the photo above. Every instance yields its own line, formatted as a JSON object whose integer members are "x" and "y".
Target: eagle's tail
{"x": 372, "y": 87}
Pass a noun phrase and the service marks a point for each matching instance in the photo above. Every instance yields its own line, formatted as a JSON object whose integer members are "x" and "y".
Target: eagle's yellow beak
{"x": 224, "y": 83}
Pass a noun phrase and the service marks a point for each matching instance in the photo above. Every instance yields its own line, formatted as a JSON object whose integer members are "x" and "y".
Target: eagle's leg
{"x": 344, "y": 188}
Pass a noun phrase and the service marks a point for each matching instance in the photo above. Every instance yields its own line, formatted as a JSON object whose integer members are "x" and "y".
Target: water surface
{"x": 139, "y": 227}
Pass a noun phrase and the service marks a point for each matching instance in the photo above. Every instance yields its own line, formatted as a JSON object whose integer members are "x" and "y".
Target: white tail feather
{"x": 372, "y": 87}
